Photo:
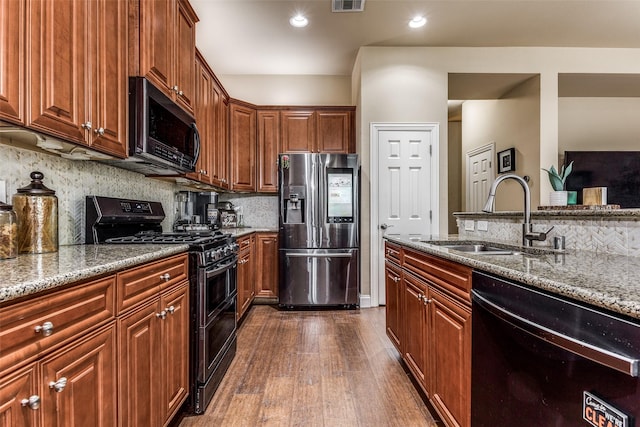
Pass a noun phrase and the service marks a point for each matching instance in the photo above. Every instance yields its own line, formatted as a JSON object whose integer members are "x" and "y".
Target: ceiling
{"x": 254, "y": 36}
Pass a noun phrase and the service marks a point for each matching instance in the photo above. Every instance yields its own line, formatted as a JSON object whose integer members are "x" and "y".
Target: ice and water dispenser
{"x": 294, "y": 198}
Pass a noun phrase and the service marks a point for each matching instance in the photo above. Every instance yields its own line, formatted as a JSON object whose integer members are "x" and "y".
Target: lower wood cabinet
{"x": 246, "y": 274}
{"x": 153, "y": 359}
{"x": 266, "y": 265}
{"x": 428, "y": 318}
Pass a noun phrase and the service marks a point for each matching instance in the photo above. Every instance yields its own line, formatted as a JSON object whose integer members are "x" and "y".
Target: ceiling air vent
{"x": 347, "y": 5}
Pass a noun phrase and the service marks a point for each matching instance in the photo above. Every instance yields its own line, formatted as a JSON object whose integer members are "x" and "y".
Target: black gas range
{"x": 213, "y": 263}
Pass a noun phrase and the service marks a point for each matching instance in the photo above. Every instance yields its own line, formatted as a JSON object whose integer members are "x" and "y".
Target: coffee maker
{"x": 196, "y": 211}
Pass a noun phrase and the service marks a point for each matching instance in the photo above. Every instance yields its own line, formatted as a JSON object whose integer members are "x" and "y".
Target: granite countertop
{"x": 30, "y": 274}
{"x": 603, "y": 280}
{"x": 243, "y": 231}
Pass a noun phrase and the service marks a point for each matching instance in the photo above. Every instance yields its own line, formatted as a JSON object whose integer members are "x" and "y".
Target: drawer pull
{"x": 162, "y": 315}
{"x": 165, "y": 277}
{"x": 32, "y": 402}
{"x": 171, "y": 309}
{"x": 46, "y": 328}
{"x": 59, "y": 385}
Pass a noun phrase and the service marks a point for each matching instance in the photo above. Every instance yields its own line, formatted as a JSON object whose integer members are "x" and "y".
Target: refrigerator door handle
{"x": 295, "y": 255}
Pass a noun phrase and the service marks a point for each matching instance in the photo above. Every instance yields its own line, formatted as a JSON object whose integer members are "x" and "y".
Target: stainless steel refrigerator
{"x": 319, "y": 226}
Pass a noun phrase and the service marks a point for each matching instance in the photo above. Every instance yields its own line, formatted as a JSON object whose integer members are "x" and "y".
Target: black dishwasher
{"x": 546, "y": 361}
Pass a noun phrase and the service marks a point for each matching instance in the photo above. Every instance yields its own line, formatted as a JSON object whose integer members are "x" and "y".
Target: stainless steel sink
{"x": 481, "y": 249}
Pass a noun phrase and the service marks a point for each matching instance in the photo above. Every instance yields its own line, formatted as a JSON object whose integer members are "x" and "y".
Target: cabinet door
{"x": 58, "y": 60}
{"x": 79, "y": 383}
{"x": 15, "y": 388}
{"x": 220, "y": 161}
{"x": 450, "y": 346}
{"x": 415, "y": 326}
{"x": 185, "y": 51}
{"x": 267, "y": 265}
{"x": 140, "y": 368}
{"x": 243, "y": 148}
{"x": 393, "y": 292}
{"x": 108, "y": 58}
{"x": 268, "y": 148}
{"x": 156, "y": 40}
{"x": 298, "y": 131}
{"x": 175, "y": 349}
{"x": 12, "y": 60}
{"x": 334, "y": 131}
{"x": 246, "y": 275}
{"x": 204, "y": 115}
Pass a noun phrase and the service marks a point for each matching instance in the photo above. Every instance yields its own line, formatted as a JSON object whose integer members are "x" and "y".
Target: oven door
{"x": 215, "y": 285}
{"x": 214, "y": 338}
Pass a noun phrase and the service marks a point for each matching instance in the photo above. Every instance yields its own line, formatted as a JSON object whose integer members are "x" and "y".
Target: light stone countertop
{"x": 243, "y": 231}
{"x": 603, "y": 280}
{"x": 30, "y": 274}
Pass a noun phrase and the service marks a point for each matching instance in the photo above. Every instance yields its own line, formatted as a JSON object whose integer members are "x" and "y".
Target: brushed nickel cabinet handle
{"x": 59, "y": 385}
{"x": 32, "y": 402}
{"x": 165, "y": 277}
{"x": 46, "y": 329}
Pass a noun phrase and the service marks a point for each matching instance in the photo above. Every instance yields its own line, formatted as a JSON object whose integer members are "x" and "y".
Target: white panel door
{"x": 404, "y": 187}
{"x": 480, "y": 176}
{"x": 404, "y": 193}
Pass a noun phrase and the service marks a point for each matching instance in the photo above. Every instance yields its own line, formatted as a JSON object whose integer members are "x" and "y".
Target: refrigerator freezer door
{"x": 298, "y": 181}
{"x": 319, "y": 277}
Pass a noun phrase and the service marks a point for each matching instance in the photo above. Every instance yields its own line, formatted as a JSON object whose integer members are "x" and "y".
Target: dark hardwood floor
{"x": 315, "y": 368}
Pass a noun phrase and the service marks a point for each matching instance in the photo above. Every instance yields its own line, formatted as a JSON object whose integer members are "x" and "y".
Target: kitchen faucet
{"x": 527, "y": 228}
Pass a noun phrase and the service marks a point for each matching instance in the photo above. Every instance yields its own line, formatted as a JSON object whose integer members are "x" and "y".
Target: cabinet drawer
{"x": 392, "y": 252}
{"x": 67, "y": 313}
{"x": 450, "y": 276}
{"x": 244, "y": 243}
{"x": 137, "y": 284}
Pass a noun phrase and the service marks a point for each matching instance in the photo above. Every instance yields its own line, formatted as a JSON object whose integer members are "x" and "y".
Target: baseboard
{"x": 365, "y": 301}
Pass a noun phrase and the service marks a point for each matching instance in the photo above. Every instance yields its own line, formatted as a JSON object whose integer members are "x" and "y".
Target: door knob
{"x": 384, "y": 226}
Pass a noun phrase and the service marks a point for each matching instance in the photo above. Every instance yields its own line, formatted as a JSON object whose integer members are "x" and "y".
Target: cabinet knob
{"x": 162, "y": 315}
{"x": 59, "y": 385}
{"x": 32, "y": 402}
{"x": 165, "y": 277}
{"x": 86, "y": 125}
{"x": 46, "y": 329}
{"x": 171, "y": 309}
{"x": 426, "y": 300}
{"x": 180, "y": 93}
{"x": 99, "y": 131}
{"x": 396, "y": 279}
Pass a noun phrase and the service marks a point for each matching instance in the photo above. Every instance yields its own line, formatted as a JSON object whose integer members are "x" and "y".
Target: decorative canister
{"x": 36, "y": 207}
{"x": 8, "y": 232}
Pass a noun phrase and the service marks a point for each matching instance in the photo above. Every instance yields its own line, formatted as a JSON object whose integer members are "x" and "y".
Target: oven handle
{"x": 599, "y": 355}
{"x": 221, "y": 269}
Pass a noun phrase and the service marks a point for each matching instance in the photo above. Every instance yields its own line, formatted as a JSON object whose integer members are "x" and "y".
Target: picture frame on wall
{"x": 507, "y": 160}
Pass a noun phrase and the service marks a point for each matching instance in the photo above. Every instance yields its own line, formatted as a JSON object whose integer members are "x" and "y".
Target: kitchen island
{"x": 604, "y": 280}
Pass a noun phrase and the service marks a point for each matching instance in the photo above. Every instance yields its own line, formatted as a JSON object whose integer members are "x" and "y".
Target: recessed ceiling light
{"x": 298, "y": 21}
{"x": 417, "y": 22}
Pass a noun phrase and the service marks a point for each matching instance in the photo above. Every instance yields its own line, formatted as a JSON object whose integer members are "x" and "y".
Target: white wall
{"x": 587, "y": 124}
{"x": 289, "y": 90}
{"x": 512, "y": 121}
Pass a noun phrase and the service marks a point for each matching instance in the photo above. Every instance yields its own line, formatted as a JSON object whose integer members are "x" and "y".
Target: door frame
{"x": 491, "y": 147}
{"x": 376, "y": 245}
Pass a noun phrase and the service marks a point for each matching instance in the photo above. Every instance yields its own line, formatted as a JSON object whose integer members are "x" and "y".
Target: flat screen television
{"x": 619, "y": 171}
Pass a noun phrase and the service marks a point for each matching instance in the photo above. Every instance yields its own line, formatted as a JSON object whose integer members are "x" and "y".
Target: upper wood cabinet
{"x": 268, "y": 148}
{"x": 220, "y": 148}
{"x": 327, "y": 130}
{"x": 162, "y": 43}
{"x": 78, "y": 77}
{"x": 12, "y": 60}
{"x": 243, "y": 146}
{"x": 205, "y": 120}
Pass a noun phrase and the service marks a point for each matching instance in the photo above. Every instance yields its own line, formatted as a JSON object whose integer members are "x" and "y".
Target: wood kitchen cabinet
{"x": 77, "y": 87}
{"x": 318, "y": 130}
{"x": 246, "y": 273}
{"x": 58, "y": 354}
{"x": 243, "y": 146}
{"x": 153, "y": 329}
{"x": 162, "y": 42}
{"x": 205, "y": 120}
{"x": 266, "y": 283}
{"x": 220, "y": 147}
{"x": 12, "y": 61}
{"x": 268, "y": 148}
{"x": 432, "y": 323}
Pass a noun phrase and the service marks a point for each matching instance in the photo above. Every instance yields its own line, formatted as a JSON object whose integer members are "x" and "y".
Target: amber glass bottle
{"x": 36, "y": 207}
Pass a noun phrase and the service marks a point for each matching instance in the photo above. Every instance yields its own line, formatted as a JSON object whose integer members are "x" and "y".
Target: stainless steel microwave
{"x": 163, "y": 138}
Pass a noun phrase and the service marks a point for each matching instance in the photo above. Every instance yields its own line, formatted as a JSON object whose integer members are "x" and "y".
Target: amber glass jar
{"x": 8, "y": 232}
{"x": 36, "y": 207}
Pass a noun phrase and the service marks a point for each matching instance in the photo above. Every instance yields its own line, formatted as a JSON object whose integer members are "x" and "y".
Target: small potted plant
{"x": 557, "y": 179}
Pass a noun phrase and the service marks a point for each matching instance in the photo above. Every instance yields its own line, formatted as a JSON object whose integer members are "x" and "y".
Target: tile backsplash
{"x": 72, "y": 180}
{"x": 259, "y": 210}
